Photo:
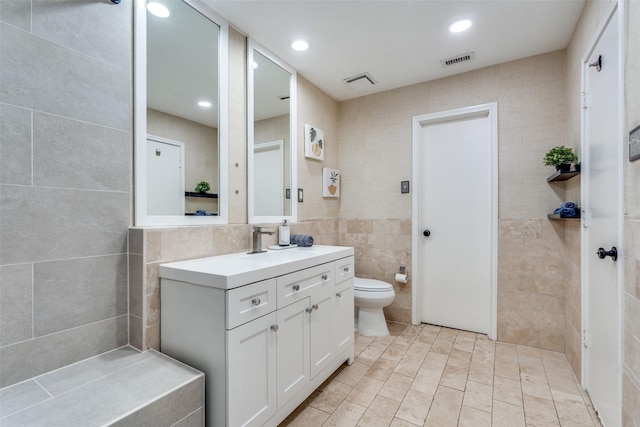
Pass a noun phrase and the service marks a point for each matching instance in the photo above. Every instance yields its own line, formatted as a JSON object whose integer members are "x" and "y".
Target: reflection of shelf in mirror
{"x": 560, "y": 217}
{"x": 193, "y": 214}
{"x": 562, "y": 176}
{"x": 205, "y": 195}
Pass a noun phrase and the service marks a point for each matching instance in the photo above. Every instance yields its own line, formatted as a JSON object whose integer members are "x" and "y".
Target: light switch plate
{"x": 404, "y": 186}
{"x": 634, "y": 144}
{"x": 300, "y": 195}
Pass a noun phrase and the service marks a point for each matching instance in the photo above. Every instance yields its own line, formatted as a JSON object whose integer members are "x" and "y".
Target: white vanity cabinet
{"x": 266, "y": 329}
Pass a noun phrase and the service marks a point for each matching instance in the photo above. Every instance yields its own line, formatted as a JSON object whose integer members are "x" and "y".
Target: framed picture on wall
{"x": 330, "y": 182}
{"x": 313, "y": 142}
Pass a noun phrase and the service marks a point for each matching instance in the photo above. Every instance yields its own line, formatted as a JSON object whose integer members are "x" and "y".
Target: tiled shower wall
{"x": 65, "y": 153}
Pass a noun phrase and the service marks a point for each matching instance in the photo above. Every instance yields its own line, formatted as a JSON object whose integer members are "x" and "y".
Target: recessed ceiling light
{"x": 300, "y": 45}
{"x": 158, "y": 9}
{"x": 460, "y": 26}
{"x": 204, "y": 104}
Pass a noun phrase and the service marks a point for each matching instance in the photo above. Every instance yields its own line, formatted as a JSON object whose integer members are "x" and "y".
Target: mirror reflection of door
{"x": 268, "y": 164}
{"x": 165, "y": 177}
{"x": 271, "y": 87}
{"x": 182, "y": 95}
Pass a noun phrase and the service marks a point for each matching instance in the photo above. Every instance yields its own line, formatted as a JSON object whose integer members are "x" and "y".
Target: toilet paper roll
{"x": 401, "y": 278}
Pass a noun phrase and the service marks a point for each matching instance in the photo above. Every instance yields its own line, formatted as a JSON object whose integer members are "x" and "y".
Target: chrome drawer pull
{"x": 339, "y": 294}
{"x": 346, "y": 269}
{"x": 308, "y": 310}
{"x": 314, "y": 307}
{"x": 275, "y": 328}
{"x": 255, "y": 301}
{"x": 325, "y": 277}
{"x": 296, "y": 287}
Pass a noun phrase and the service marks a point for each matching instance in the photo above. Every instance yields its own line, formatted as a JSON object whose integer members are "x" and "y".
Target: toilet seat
{"x": 371, "y": 285}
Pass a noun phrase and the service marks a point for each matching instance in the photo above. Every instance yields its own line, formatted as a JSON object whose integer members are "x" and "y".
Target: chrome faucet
{"x": 257, "y": 239}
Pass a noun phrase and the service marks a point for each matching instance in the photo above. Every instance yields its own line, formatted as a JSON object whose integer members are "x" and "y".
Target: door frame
{"x": 491, "y": 111}
{"x": 587, "y": 255}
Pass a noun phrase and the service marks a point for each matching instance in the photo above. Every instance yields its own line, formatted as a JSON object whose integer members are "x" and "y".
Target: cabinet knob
{"x": 255, "y": 301}
{"x": 314, "y": 307}
{"x": 308, "y": 310}
{"x": 339, "y": 294}
{"x": 296, "y": 287}
{"x": 325, "y": 277}
{"x": 346, "y": 269}
{"x": 275, "y": 328}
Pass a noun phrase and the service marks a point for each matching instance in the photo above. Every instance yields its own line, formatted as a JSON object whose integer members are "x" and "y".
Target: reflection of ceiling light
{"x": 255, "y": 65}
{"x": 460, "y": 26}
{"x": 204, "y": 104}
{"x": 158, "y": 9}
{"x": 300, "y": 45}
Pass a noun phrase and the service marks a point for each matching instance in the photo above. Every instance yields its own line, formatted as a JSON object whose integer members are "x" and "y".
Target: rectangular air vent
{"x": 360, "y": 81}
{"x": 465, "y": 57}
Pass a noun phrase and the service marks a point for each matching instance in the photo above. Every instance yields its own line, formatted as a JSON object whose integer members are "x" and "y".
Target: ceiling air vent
{"x": 465, "y": 57}
{"x": 360, "y": 81}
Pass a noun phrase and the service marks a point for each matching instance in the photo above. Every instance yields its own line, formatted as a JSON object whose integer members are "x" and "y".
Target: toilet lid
{"x": 371, "y": 285}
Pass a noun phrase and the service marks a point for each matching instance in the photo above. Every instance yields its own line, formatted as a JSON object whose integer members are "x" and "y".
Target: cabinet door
{"x": 342, "y": 318}
{"x": 293, "y": 350}
{"x": 320, "y": 324}
{"x": 251, "y": 379}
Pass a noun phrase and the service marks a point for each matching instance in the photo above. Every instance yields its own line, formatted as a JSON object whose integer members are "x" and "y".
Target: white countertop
{"x": 233, "y": 270}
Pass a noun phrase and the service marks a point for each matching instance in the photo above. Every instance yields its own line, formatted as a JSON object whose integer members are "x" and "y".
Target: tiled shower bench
{"x": 122, "y": 387}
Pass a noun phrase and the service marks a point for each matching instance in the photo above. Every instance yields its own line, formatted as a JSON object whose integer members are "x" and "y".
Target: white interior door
{"x": 165, "y": 177}
{"x": 457, "y": 218}
{"x": 268, "y": 166}
{"x": 602, "y": 197}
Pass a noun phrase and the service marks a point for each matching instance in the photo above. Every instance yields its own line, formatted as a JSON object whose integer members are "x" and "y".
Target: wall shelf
{"x": 562, "y": 218}
{"x": 562, "y": 176}
{"x": 205, "y": 195}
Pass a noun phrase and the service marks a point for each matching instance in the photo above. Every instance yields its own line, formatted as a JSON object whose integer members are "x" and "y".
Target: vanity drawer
{"x": 313, "y": 281}
{"x": 345, "y": 269}
{"x": 250, "y": 302}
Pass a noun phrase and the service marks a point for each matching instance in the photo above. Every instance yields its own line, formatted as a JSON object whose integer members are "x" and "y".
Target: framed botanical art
{"x": 313, "y": 142}
{"x": 330, "y": 182}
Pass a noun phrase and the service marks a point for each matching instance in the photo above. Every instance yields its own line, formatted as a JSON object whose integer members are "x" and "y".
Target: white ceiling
{"x": 399, "y": 42}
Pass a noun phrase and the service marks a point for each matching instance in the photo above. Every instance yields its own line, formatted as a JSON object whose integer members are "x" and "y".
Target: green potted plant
{"x": 203, "y": 187}
{"x": 561, "y": 157}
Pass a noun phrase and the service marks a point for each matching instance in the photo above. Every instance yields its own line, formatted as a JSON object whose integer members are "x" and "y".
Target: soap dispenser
{"x": 284, "y": 235}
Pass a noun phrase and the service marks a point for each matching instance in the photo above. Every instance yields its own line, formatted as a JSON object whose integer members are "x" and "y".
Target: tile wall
{"x": 65, "y": 157}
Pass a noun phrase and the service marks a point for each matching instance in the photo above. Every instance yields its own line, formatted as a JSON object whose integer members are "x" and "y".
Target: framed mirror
{"x": 181, "y": 97}
{"x": 271, "y": 128}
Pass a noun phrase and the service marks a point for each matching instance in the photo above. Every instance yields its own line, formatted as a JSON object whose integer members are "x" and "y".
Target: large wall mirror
{"x": 271, "y": 115}
{"x": 181, "y": 58}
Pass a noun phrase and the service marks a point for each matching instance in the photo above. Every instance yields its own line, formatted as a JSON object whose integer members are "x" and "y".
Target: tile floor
{"x": 431, "y": 376}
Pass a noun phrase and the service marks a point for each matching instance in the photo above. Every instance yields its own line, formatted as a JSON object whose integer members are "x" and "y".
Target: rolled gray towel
{"x": 303, "y": 240}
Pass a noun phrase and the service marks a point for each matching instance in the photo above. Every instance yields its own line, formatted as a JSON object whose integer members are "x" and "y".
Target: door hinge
{"x": 585, "y": 339}
{"x": 586, "y": 219}
{"x": 585, "y": 100}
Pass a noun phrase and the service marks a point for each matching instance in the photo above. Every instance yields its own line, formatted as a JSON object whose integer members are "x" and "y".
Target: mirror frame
{"x": 252, "y": 46}
{"x": 141, "y": 218}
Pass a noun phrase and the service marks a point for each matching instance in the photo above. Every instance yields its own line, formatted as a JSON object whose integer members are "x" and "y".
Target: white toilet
{"x": 370, "y": 297}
